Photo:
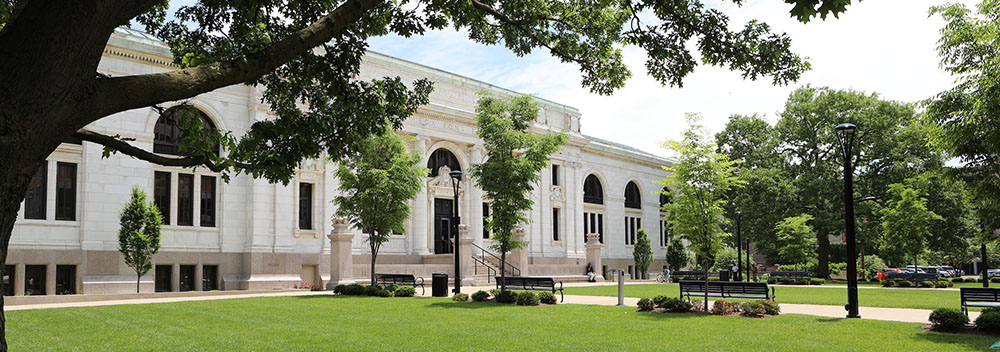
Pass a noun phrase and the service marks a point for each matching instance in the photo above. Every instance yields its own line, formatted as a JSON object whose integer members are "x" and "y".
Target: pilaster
{"x": 341, "y": 262}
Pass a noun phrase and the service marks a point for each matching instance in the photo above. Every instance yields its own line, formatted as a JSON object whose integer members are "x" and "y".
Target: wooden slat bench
{"x": 726, "y": 289}
{"x": 979, "y": 297}
{"x": 400, "y": 280}
{"x": 530, "y": 283}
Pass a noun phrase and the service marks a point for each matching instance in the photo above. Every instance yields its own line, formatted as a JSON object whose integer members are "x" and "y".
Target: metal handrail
{"x": 483, "y": 252}
{"x": 490, "y": 271}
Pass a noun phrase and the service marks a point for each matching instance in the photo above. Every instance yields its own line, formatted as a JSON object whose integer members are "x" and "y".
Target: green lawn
{"x": 892, "y": 298}
{"x": 398, "y": 324}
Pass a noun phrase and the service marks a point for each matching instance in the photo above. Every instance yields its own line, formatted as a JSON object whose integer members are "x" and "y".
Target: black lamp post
{"x": 456, "y": 179}
{"x": 739, "y": 244}
{"x": 845, "y": 136}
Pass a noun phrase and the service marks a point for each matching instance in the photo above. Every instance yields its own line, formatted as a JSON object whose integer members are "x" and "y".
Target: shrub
{"x": 675, "y": 305}
{"x": 771, "y": 307}
{"x": 405, "y": 291}
{"x": 339, "y": 289}
{"x": 723, "y": 307}
{"x": 801, "y": 281}
{"x": 660, "y": 300}
{"x": 383, "y": 293}
{"x": 371, "y": 290}
{"x": 752, "y": 309}
{"x": 988, "y": 322}
{"x": 903, "y": 283}
{"x": 772, "y": 280}
{"x": 480, "y": 296}
{"x": 816, "y": 281}
{"x": 354, "y": 290}
{"x": 494, "y": 292}
{"x": 506, "y": 296}
{"x": 989, "y": 309}
{"x": 958, "y": 279}
{"x": 547, "y": 297}
{"x": 979, "y": 280}
{"x": 392, "y": 287}
{"x": 925, "y": 284}
{"x": 645, "y": 305}
{"x": 887, "y": 283}
{"x": 948, "y": 318}
{"x": 460, "y": 297}
{"x": 944, "y": 283}
{"x": 995, "y": 279}
{"x": 527, "y": 299}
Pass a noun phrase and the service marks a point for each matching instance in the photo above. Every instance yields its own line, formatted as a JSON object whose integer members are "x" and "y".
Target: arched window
{"x": 442, "y": 157}
{"x": 664, "y": 198}
{"x": 632, "y": 197}
{"x": 593, "y": 192}
{"x": 167, "y": 133}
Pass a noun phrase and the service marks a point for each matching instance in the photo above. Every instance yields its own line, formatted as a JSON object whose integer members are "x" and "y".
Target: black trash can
{"x": 439, "y": 284}
{"x": 723, "y": 275}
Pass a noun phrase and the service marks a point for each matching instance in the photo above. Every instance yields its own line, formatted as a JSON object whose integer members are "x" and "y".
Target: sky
{"x": 882, "y": 46}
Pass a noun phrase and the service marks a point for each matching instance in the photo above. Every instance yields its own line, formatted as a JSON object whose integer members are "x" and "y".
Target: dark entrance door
{"x": 162, "y": 276}
{"x": 442, "y": 225}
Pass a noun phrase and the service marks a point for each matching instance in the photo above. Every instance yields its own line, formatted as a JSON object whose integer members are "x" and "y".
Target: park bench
{"x": 692, "y": 274}
{"x": 400, "y": 280}
{"x": 979, "y": 297}
{"x": 726, "y": 289}
{"x": 911, "y": 276}
{"x": 532, "y": 284}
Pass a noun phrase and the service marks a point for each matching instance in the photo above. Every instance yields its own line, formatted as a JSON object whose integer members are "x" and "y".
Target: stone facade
{"x": 254, "y": 240}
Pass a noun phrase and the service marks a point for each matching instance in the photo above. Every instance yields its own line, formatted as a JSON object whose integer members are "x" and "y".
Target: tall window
{"x": 185, "y": 199}
{"x": 161, "y": 194}
{"x": 594, "y": 223}
{"x": 305, "y": 206}
{"x": 555, "y": 175}
{"x": 632, "y": 197}
{"x": 208, "y": 201}
{"x": 632, "y": 225}
{"x": 168, "y": 134}
{"x": 593, "y": 192}
{"x": 442, "y": 157}
{"x": 486, "y": 217}
{"x": 66, "y": 191}
{"x": 555, "y": 224}
{"x": 34, "y": 200}
{"x": 664, "y": 232}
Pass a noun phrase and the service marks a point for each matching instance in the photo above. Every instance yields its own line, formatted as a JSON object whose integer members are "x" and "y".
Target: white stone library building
{"x": 251, "y": 234}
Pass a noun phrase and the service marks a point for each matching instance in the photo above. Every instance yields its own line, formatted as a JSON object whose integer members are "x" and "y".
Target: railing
{"x": 490, "y": 271}
{"x": 508, "y": 268}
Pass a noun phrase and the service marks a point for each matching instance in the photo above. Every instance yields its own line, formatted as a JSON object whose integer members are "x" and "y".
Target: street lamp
{"x": 456, "y": 179}
{"x": 739, "y": 243}
{"x": 845, "y": 136}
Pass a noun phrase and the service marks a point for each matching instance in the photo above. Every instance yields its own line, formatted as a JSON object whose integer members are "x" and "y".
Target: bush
{"x": 772, "y": 280}
{"x": 354, "y": 290}
{"x": 925, "y": 284}
{"x": 945, "y": 283}
{"x": 771, "y": 307}
{"x": 372, "y": 290}
{"x": 460, "y": 297}
{"x": 660, "y": 300}
{"x": 547, "y": 297}
{"x": 887, "y": 283}
{"x": 405, "y": 291}
{"x": 392, "y": 287}
{"x": 979, "y": 280}
{"x": 723, "y": 307}
{"x": 958, "y": 280}
{"x": 675, "y": 305}
{"x": 527, "y": 299}
{"x": 645, "y": 305}
{"x": 948, "y": 318}
{"x": 383, "y": 293}
{"x": 506, "y": 297}
{"x": 480, "y": 296}
{"x": 339, "y": 289}
{"x": 989, "y": 309}
{"x": 988, "y": 322}
{"x": 816, "y": 281}
{"x": 903, "y": 283}
{"x": 801, "y": 281}
{"x": 752, "y": 309}
{"x": 494, "y": 292}
{"x": 995, "y": 279}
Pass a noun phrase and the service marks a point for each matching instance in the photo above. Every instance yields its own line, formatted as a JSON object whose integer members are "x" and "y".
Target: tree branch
{"x": 130, "y": 92}
{"x": 141, "y": 154}
{"x": 504, "y": 18}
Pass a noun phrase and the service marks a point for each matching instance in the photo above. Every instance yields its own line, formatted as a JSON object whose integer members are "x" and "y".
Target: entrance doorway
{"x": 442, "y": 225}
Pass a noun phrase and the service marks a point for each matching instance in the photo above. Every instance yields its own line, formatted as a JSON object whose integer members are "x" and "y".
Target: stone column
{"x": 50, "y": 279}
{"x": 418, "y": 232}
{"x": 594, "y": 247}
{"x": 198, "y": 273}
{"x": 341, "y": 259}
{"x": 519, "y": 257}
{"x": 19, "y": 279}
{"x": 465, "y": 250}
{"x": 475, "y": 199}
{"x": 175, "y": 278}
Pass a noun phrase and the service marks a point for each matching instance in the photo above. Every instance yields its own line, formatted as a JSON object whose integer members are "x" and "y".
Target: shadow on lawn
{"x": 968, "y": 341}
{"x": 465, "y": 305}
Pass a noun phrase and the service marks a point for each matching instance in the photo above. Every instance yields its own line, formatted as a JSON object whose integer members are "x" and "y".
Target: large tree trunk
{"x": 503, "y": 273}
{"x": 14, "y": 176}
{"x": 823, "y": 261}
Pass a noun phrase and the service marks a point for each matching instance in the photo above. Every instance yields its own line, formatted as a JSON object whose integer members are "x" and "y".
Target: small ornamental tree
{"x": 906, "y": 221}
{"x": 377, "y": 182}
{"x": 139, "y": 235}
{"x": 642, "y": 253}
{"x": 677, "y": 257}
{"x": 515, "y": 158}
{"x": 699, "y": 181}
{"x": 796, "y": 239}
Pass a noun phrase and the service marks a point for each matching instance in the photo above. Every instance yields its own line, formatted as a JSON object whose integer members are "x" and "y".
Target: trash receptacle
{"x": 439, "y": 284}
{"x": 723, "y": 275}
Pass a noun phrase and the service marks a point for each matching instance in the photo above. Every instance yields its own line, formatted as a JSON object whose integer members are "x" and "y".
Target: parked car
{"x": 945, "y": 271}
{"x": 950, "y": 270}
{"x": 993, "y": 273}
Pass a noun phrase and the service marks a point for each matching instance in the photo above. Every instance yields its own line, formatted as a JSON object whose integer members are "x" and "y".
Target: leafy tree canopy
{"x": 796, "y": 239}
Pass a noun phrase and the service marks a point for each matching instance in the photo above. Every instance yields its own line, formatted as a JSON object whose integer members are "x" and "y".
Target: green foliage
{"x": 943, "y": 283}
{"x": 392, "y": 287}
{"x": 906, "y": 221}
{"x": 139, "y": 234}
{"x": 547, "y": 297}
{"x": 527, "y": 298}
{"x": 925, "y": 284}
{"x": 645, "y": 305}
{"x": 771, "y": 307}
{"x": 947, "y": 319}
{"x": 676, "y": 255}
{"x": 872, "y": 265}
{"x": 642, "y": 253}
{"x": 460, "y": 297}
{"x": 724, "y": 260}
{"x": 816, "y": 281}
{"x": 377, "y": 182}
{"x": 674, "y": 304}
{"x": 514, "y": 160}
{"x": 723, "y": 307}
{"x": 480, "y": 296}
{"x": 354, "y": 290}
{"x": 902, "y": 283}
{"x": 405, "y": 291}
{"x": 383, "y": 293}
{"x": 988, "y": 322}
{"x": 753, "y": 309}
{"x": 796, "y": 238}
{"x": 372, "y": 290}
{"x": 506, "y": 296}
{"x": 660, "y": 300}
{"x": 339, "y": 289}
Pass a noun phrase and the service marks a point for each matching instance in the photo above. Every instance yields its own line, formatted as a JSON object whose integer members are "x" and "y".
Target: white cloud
{"x": 886, "y": 47}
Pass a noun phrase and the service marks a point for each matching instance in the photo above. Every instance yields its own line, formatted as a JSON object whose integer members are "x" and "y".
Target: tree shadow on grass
{"x": 465, "y": 305}
{"x": 669, "y": 315}
{"x": 975, "y": 342}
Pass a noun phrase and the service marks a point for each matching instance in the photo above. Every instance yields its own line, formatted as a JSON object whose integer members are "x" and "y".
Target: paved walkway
{"x": 890, "y": 314}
